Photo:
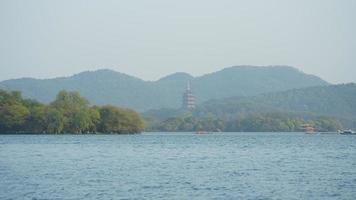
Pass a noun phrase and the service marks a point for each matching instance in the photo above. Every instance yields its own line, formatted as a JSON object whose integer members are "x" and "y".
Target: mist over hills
{"x": 110, "y": 87}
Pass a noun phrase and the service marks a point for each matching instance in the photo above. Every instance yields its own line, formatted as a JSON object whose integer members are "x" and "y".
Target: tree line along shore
{"x": 257, "y": 122}
{"x": 68, "y": 113}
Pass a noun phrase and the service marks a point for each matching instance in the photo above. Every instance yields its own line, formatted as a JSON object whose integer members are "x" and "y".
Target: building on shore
{"x": 188, "y": 98}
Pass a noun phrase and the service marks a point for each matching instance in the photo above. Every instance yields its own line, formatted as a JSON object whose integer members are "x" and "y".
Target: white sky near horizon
{"x": 152, "y": 38}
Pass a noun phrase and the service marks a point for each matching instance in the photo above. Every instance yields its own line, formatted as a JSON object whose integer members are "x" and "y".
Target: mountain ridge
{"x": 107, "y": 86}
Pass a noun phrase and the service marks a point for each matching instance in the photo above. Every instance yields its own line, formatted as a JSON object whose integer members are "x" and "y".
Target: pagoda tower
{"x": 188, "y": 98}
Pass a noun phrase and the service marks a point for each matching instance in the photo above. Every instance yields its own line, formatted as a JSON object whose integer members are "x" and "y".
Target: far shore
{"x": 165, "y": 132}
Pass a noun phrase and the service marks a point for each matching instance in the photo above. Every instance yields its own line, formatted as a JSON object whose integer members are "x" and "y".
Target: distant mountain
{"x": 249, "y": 81}
{"x": 110, "y": 87}
{"x": 177, "y": 77}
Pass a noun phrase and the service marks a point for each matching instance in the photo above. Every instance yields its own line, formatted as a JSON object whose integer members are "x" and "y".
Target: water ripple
{"x": 178, "y": 166}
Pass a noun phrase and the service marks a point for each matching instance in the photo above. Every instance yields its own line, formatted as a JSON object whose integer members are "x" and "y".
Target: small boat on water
{"x": 347, "y": 132}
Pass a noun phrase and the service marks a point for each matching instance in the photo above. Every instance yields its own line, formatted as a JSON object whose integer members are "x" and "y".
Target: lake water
{"x": 178, "y": 166}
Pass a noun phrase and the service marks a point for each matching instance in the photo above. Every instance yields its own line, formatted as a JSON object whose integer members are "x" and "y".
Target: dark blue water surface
{"x": 178, "y": 166}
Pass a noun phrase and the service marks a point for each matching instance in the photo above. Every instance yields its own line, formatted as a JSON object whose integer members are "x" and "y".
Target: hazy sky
{"x": 152, "y": 38}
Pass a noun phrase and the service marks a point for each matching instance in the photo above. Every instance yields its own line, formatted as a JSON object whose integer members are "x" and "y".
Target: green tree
{"x": 13, "y": 116}
{"x": 54, "y": 121}
{"x": 80, "y": 121}
{"x": 94, "y": 114}
{"x": 36, "y": 121}
{"x": 118, "y": 120}
{"x": 69, "y": 101}
{"x": 74, "y": 109}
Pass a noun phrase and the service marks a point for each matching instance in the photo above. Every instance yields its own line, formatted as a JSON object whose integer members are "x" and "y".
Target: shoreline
{"x": 179, "y": 132}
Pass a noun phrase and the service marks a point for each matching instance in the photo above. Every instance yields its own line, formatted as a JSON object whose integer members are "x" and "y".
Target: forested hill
{"x": 327, "y": 107}
{"x": 333, "y": 100}
{"x": 110, "y": 87}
